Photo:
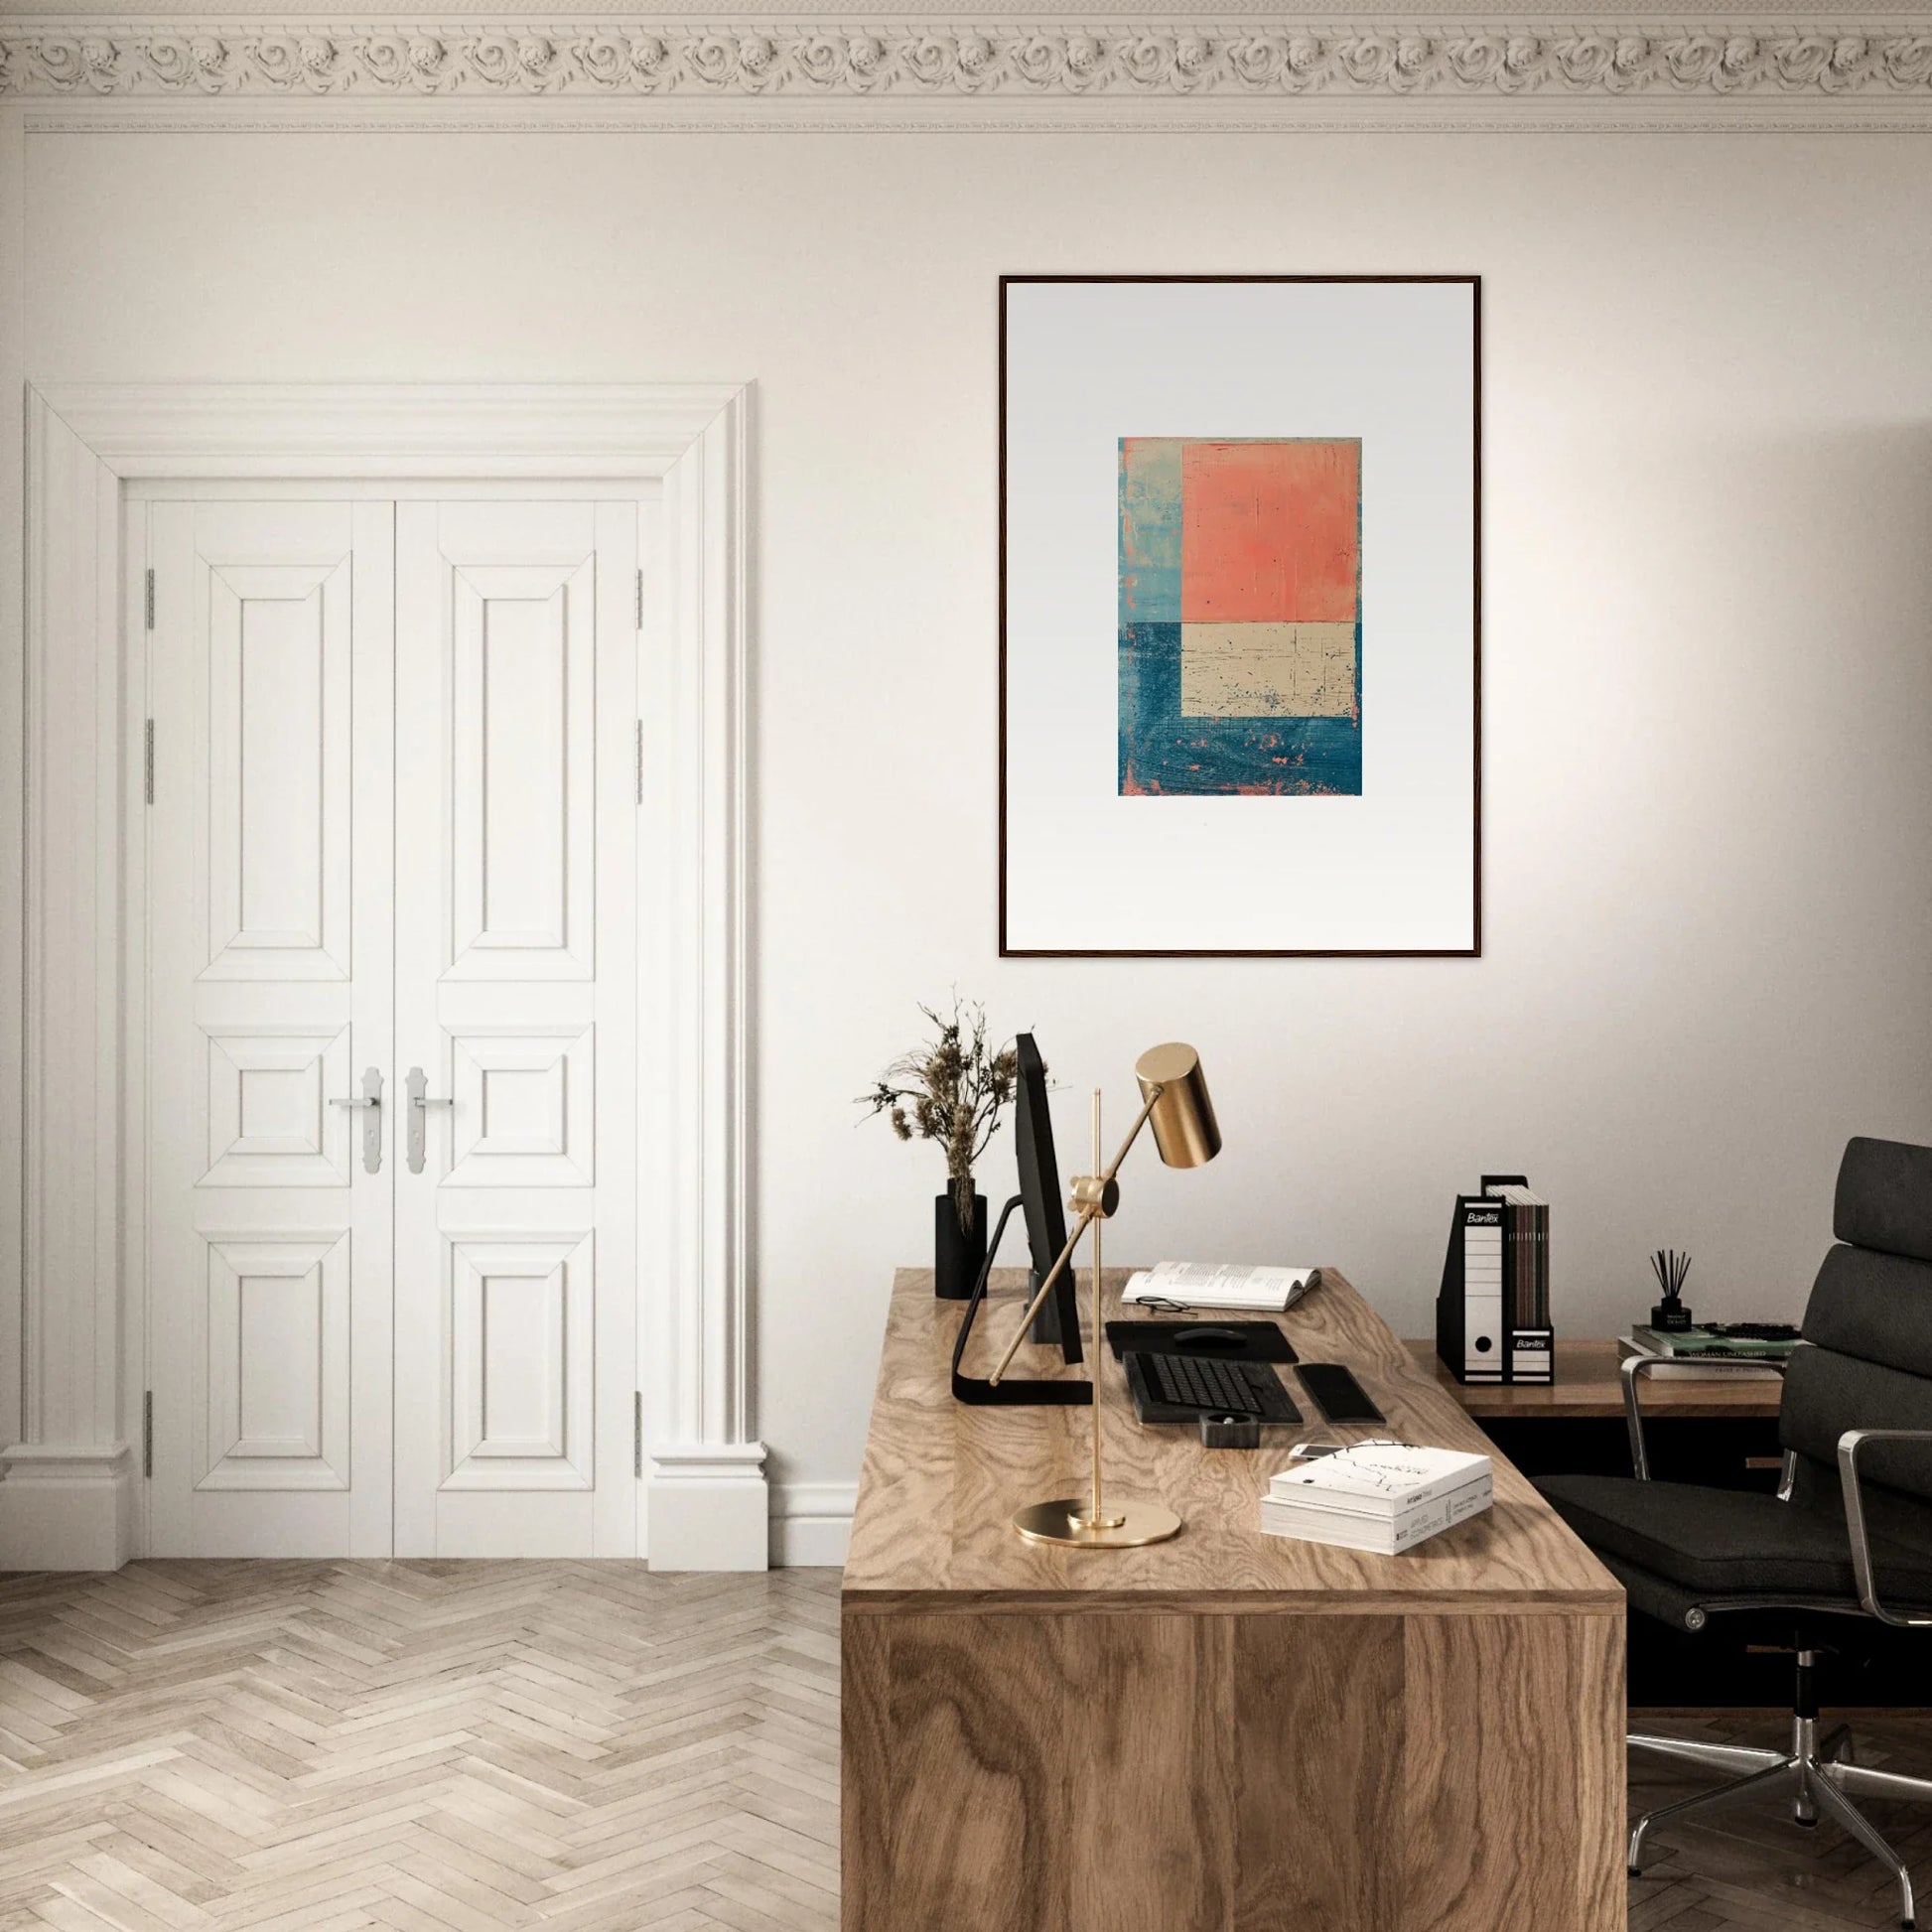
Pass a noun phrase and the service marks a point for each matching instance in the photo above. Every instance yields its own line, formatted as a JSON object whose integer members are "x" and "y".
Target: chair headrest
{"x": 1884, "y": 1197}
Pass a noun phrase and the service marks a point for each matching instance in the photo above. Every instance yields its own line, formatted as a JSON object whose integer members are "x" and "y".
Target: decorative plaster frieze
{"x": 219, "y": 60}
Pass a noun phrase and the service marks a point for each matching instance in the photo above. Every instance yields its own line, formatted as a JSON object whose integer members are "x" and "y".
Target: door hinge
{"x": 146, "y": 761}
{"x": 147, "y": 1433}
{"x": 641, "y": 760}
{"x": 637, "y": 1432}
{"x": 149, "y": 599}
{"x": 640, "y": 600}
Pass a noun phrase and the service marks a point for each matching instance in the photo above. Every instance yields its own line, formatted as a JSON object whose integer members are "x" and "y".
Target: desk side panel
{"x": 1317, "y": 1732}
{"x": 957, "y": 1781}
{"x": 1147, "y": 1721}
{"x": 1146, "y": 1772}
{"x": 1513, "y": 1773}
{"x": 865, "y": 1763}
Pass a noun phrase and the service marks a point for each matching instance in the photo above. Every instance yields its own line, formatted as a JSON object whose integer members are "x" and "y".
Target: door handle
{"x": 371, "y": 1099}
{"x": 420, "y": 1103}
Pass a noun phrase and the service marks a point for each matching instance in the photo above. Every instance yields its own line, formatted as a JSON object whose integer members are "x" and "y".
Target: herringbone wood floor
{"x": 317, "y": 1747}
{"x": 460, "y": 1747}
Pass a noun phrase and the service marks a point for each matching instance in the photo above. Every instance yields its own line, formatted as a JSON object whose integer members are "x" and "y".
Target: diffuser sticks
{"x": 1670, "y": 1267}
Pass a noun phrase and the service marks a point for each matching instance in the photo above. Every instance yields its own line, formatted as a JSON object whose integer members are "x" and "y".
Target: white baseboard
{"x": 67, "y": 1506}
{"x": 811, "y": 1523}
{"x": 74, "y": 1509}
{"x": 709, "y": 1506}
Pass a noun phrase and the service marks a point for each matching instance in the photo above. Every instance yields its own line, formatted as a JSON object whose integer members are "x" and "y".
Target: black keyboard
{"x": 1213, "y": 1388}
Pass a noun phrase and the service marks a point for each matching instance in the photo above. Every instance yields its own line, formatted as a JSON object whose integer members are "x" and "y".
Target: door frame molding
{"x": 71, "y": 1427}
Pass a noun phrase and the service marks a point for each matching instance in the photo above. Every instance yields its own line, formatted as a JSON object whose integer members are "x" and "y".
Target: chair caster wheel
{"x": 1633, "y": 1872}
{"x": 1810, "y": 1824}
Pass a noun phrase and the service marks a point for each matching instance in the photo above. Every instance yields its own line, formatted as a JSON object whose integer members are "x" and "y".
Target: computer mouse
{"x": 1207, "y": 1337}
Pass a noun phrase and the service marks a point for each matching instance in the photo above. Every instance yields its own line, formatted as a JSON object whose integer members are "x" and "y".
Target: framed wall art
{"x": 1240, "y": 539}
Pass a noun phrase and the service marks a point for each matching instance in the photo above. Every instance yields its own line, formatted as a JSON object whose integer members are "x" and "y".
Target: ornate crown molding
{"x": 1255, "y": 61}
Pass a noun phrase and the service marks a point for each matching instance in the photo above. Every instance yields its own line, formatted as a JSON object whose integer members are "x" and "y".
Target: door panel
{"x": 526, "y": 1107}
{"x": 279, "y": 749}
{"x": 515, "y": 975}
{"x": 270, "y": 1119}
{"x": 270, "y": 671}
{"x": 278, "y": 1379}
{"x": 522, "y": 805}
{"x": 520, "y": 1363}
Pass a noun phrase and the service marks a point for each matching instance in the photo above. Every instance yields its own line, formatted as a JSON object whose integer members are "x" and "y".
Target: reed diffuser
{"x": 1670, "y": 1315}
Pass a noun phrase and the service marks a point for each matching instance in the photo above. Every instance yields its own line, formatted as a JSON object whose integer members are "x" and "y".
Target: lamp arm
{"x": 1133, "y": 1133}
{"x": 1088, "y": 1215}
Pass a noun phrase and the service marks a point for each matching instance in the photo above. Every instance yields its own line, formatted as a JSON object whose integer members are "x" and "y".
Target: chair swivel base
{"x": 1818, "y": 1775}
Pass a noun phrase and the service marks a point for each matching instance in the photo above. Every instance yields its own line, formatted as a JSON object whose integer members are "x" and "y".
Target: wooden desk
{"x": 1227, "y": 1732}
{"x": 1588, "y": 1385}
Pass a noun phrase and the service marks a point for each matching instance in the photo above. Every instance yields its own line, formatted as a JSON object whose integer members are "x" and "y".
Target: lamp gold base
{"x": 1128, "y": 1525}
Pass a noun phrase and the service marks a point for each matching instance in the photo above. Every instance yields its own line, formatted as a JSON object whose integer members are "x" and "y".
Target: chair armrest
{"x": 1635, "y": 1367}
{"x": 1849, "y": 1445}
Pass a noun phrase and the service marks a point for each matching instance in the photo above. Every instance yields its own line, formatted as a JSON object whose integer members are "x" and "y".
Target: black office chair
{"x": 1849, "y": 1536}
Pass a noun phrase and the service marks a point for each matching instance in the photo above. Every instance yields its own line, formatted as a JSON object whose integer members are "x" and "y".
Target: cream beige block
{"x": 1267, "y": 670}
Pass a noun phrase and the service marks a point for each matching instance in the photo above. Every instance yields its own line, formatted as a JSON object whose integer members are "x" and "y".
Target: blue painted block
{"x": 1166, "y": 755}
{"x": 1150, "y": 530}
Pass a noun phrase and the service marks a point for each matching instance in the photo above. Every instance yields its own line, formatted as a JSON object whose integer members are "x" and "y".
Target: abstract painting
{"x": 1240, "y": 616}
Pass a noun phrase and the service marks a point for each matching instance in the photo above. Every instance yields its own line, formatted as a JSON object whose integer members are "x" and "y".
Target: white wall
{"x": 1707, "y": 654}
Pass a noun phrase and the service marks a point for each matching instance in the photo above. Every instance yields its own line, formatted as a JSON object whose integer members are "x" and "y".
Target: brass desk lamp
{"x": 1175, "y": 1102}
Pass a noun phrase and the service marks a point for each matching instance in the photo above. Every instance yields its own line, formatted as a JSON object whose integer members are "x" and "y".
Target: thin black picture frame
{"x": 1471, "y": 951}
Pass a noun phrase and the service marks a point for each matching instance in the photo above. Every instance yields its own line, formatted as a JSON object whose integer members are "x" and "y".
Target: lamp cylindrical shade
{"x": 1185, "y": 1128}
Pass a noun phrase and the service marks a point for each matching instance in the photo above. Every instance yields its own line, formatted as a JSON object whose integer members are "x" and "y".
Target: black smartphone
{"x": 1337, "y": 1394}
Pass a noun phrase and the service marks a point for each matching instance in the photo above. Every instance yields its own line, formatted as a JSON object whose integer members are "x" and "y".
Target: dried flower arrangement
{"x": 951, "y": 1091}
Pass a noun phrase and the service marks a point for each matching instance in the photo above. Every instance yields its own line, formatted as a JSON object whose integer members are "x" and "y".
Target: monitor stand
{"x": 1011, "y": 1391}
{"x": 1048, "y": 1323}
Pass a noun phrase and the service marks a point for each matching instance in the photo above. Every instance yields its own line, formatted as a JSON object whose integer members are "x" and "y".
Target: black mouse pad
{"x": 1220, "y": 1341}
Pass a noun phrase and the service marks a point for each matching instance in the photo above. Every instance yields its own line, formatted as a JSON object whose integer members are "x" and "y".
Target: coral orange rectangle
{"x": 1269, "y": 532}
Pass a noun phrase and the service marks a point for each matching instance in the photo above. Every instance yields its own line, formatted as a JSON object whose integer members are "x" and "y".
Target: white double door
{"x": 391, "y": 859}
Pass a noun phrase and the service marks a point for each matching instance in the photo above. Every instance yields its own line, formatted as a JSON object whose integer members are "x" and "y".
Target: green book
{"x": 1701, "y": 1341}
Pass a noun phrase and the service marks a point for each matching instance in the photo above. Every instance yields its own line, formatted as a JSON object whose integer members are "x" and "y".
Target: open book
{"x": 1220, "y": 1285}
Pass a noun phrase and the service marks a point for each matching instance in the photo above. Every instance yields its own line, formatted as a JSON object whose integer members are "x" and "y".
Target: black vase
{"x": 957, "y": 1256}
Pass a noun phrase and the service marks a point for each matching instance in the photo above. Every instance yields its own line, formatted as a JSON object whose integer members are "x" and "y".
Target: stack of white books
{"x": 1380, "y": 1496}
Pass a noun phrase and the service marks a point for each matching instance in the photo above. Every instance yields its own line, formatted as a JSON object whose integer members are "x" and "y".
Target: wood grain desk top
{"x": 1588, "y": 1384}
{"x": 941, "y": 1478}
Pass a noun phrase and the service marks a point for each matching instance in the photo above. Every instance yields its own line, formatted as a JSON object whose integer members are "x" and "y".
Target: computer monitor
{"x": 1040, "y": 1196}
{"x": 1039, "y": 1201}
